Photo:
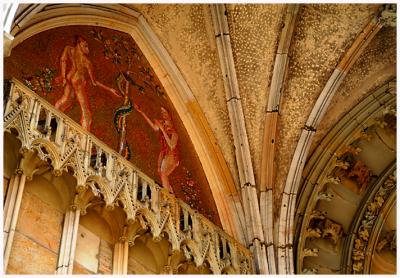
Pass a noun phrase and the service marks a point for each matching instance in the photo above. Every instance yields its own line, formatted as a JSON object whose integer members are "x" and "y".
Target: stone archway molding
{"x": 121, "y": 18}
{"x": 318, "y": 172}
{"x": 287, "y": 210}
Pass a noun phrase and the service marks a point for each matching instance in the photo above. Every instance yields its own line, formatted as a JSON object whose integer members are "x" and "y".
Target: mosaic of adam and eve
{"x": 100, "y": 78}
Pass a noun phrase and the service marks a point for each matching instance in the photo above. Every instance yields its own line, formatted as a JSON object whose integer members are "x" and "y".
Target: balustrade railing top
{"x": 105, "y": 173}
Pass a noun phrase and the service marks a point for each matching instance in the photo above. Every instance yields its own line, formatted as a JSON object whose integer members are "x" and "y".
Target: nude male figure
{"x": 75, "y": 81}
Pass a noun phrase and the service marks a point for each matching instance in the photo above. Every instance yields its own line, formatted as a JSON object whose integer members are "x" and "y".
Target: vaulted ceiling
{"x": 322, "y": 35}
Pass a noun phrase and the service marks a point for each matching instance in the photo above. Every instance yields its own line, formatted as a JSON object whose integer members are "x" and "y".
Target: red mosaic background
{"x": 36, "y": 62}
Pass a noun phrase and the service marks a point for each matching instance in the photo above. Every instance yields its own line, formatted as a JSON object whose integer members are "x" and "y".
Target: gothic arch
{"x": 218, "y": 175}
{"x": 329, "y": 181}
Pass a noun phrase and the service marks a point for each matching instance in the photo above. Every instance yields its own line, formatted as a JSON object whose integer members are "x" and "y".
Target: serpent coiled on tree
{"x": 122, "y": 111}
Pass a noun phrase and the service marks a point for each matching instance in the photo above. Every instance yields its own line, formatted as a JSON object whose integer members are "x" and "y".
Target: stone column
{"x": 120, "y": 257}
{"x": 66, "y": 255}
{"x": 254, "y": 236}
{"x": 11, "y": 211}
{"x": 268, "y": 171}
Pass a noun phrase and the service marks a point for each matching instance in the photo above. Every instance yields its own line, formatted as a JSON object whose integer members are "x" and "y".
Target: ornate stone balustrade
{"x": 102, "y": 172}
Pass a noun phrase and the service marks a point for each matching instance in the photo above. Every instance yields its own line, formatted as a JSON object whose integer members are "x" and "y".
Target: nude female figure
{"x": 74, "y": 81}
{"x": 168, "y": 158}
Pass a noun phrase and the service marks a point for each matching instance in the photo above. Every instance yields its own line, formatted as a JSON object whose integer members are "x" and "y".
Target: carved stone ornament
{"x": 310, "y": 252}
{"x": 332, "y": 231}
{"x": 387, "y": 241}
{"x": 368, "y": 221}
{"x": 307, "y": 271}
{"x": 105, "y": 176}
{"x": 348, "y": 166}
{"x": 387, "y": 15}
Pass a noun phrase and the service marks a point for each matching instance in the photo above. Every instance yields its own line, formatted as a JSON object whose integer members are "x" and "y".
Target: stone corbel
{"x": 83, "y": 200}
{"x": 313, "y": 233}
{"x": 30, "y": 164}
{"x": 325, "y": 196}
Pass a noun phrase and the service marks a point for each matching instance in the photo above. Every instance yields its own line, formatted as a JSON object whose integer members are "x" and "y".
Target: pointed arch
{"x": 221, "y": 183}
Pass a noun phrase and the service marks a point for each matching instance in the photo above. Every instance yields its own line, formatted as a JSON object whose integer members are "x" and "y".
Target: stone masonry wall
{"x": 37, "y": 238}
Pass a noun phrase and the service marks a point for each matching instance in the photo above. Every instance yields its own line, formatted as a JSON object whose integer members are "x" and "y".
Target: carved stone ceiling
{"x": 187, "y": 33}
{"x": 254, "y": 31}
{"x": 374, "y": 67}
{"x": 322, "y": 35}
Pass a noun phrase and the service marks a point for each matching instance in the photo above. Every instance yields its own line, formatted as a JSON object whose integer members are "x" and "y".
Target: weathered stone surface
{"x": 87, "y": 249}
{"x": 186, "y": 32}
{"x": 29, "y": 257}
{"x": 322, "y": 35}
{"x": 79, "y": 269}
{"x": 254, "y": 32}
{"x": 11, "y": 156}
{"x": 40, "y": 221}
{"x": 135, "y": 267}
{"x": 5, "y": 186}
{"x": 105, "y": 257}
{"x": 374, "y": 67}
